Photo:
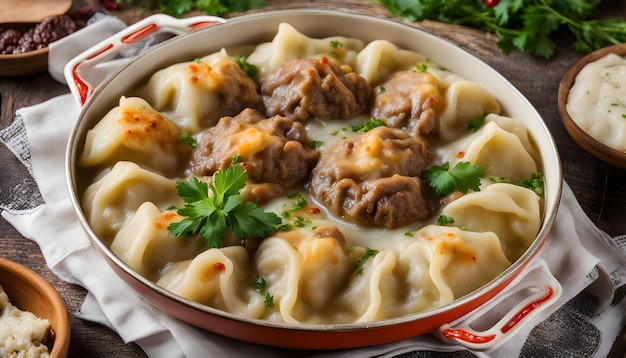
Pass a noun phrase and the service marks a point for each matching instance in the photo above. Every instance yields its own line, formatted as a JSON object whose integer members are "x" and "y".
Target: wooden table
{"x": 599, "y": 187}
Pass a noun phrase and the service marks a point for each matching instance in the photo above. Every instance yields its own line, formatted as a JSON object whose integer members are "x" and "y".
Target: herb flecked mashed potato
{"x": 21, "y": 332}
{"x": 597, "y": 101}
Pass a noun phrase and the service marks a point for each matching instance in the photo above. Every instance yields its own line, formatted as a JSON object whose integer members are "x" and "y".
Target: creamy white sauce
{"x": 597, "y": 101}
{"x": 21, "y": 332}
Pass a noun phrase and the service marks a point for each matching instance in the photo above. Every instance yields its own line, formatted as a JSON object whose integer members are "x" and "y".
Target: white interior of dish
{"x": 262, "y": 27}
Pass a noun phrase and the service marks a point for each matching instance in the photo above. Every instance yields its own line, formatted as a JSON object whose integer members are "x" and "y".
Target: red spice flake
{"x": 314, "y": 210}
{"x": 460, "y": 154}
{"x": 219, "y": 267}
{"x": 324, "y": 61}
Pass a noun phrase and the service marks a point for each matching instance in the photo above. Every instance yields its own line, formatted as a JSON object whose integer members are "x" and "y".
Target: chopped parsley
{"x": 251, "y": 70}
{"x": 421, "y": 67}
{"x": 187, "y": 139}
{"x": 259, "y": 286}
{"x": 368, "y": 126}
{"x": 444, "y": 220}
{"x": 369, "y": 253}
{"x": 211, "y": 215}
{"x": 534, "y": 183}
{"x": 475, "y": 124}
{"x": 316, "y": 144}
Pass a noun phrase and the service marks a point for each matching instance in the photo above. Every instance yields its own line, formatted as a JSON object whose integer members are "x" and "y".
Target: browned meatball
{"x": 373, "y": 179}
{"x": 273, "y": 151}
{"x": 304, "y": 88}
{"x": 410, "y": 100}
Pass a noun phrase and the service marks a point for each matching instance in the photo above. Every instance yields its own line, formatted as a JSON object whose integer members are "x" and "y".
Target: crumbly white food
{"x": 21, "y": 332}
{"x": 597, "y": 101}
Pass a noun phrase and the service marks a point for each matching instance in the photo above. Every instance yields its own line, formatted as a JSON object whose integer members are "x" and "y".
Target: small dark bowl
{"x": 587, "y": 142}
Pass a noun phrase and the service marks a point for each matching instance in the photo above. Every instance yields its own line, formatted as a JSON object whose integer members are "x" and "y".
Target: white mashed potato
{"x": 597, "y": 101}
{"x": 21, "y": 332}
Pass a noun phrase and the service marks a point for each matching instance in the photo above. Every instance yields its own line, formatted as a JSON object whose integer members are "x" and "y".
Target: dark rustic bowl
{"x": 587, "y": 142}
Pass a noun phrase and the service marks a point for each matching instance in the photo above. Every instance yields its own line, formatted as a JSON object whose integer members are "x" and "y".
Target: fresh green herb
{"x": 197, "y": 60}
{"x": 463, "y": 177}
{"x": 408, "y": 233}
{"x": 300, "y": 201}
{"x": 475, "y": 124}
{"x": 444, "y": 220}
{"x": 369, "y": 253}
{"x": 212, "y": 7}
{"x": 210, "y": 216}
{"x": 381, "y": 89}
{"x": 421, "y": 67}
{"x": 534, "y": 183}
{"x": 316, "y": 144}
{"x": 235, "y": 158}
{"x": 336, "y": 44}
{"x": 526, "y": 25}
{"x": 187, "y": 139}
{"x": 259, "y": 286}
{"x": 369, "y": 125}
{"x": 251, "y": 70}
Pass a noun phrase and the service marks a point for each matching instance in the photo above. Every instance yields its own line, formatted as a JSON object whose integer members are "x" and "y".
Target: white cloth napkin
{"x": 590, "y": 265}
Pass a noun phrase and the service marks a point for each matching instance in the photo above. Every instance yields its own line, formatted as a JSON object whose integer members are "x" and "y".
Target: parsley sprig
{"x": 526, "y": 25}
{"x": 211, "y": 215}
{"x": 464, "y": 176}
{"x": 180, "y": 7}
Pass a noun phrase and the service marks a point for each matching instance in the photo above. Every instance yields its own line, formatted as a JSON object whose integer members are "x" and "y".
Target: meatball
{"x": 410, "y": 100}
{"x": 275, "y": 152}
{"x": 304, "y": 88}
{"x": 373, "y": 179}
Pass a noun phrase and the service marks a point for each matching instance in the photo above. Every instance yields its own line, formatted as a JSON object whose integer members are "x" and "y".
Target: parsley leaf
{"x": 464, "y": 176}
{"x": 526, "y": 25}
{"x": 475, "y": 124}
{"x": 180, "y": 7}
{"x": 211, "y": 215}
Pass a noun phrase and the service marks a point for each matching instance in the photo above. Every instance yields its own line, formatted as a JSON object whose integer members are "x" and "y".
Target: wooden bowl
{"x": 587, "y": 142}
{"x": 27, "y": 63}
{"x": 30, "y": 292}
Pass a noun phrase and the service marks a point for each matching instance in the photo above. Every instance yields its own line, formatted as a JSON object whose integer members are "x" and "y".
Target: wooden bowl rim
{"x": 59, "y": 319}
{"x": 587, "y": 142}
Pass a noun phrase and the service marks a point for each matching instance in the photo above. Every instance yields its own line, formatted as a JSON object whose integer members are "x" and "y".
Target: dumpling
{"x": 197, "y": 94}
{"x": 465, "y": 100}
{"x": 135, "y": 132}
{"x": 500, "y": 153}
{"x": 112, "y": 199}
{"x": 380, "y": 58}
{"x": 305, "y": 272}
{"x": 289, "y": 44}
{"x": 219, "y": 278}
{"x": 430, "y": 269}
{"x": 512, "y": 212}
{"x": 145, "y": 244}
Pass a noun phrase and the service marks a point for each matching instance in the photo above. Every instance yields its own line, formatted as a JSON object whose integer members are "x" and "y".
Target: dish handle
{"x": 107, "y": 48}
{"x": 534, "y": 298}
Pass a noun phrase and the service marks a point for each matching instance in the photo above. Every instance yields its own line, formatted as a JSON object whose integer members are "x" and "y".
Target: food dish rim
{"x": 104, "y": 90}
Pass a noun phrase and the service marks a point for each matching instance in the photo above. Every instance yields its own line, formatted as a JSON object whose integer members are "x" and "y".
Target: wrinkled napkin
{"x": 588, "y": 263}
